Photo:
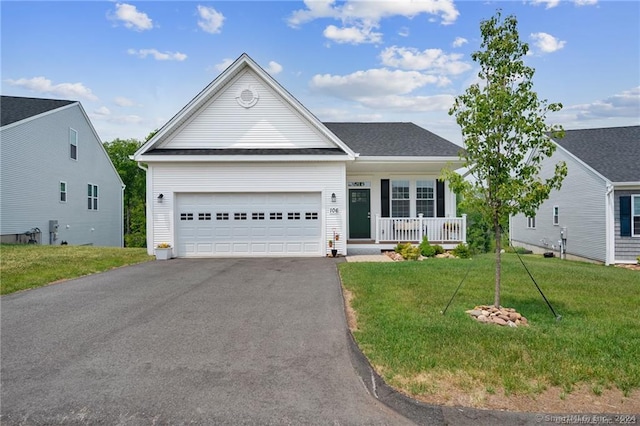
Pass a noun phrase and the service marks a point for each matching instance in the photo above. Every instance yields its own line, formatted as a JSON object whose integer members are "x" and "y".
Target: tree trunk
{"x": 496, "y": 228}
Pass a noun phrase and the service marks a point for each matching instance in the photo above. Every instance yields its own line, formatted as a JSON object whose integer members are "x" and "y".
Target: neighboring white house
{"x": 54, "y": 169}
{"x": 599, "y": 202}
{"x": 244, "y": 169}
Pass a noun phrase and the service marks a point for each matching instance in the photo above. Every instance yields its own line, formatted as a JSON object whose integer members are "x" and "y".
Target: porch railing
{"x": 437, "y": 229}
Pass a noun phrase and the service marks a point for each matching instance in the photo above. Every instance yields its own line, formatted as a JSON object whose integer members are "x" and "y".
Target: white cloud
{"x": 550, "y": 3}
{"x": 131, "y": 18}
{"x": 585, "y": 2}
{"x": 409, "y": 103}
{"x": 546, "y": 42}
{"x": 358, "y": 18}
{"x": 45, "y": 86}
{"x": 625, "y": 104}
{"x": 274, "y": 68}
{"x": 352, "y": 35}
{"x": 404, "y": 32}
{"x": 372, "y": 83}
{"x": 226, "y": 62}
{"x": 103, "y": 110}
{"x": 210, "y": 19}
{"x": 459, "y": 41}
{"x": 123, "y": 102}
{"x": 157, "y": 55}
{"x": 429, "y": 59}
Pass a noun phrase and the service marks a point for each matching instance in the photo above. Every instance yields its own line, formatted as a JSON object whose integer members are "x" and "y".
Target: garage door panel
{"x": 249, "y": 224}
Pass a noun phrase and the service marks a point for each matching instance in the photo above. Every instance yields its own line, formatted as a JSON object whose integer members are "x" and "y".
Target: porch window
{"x": 425, "y": 198}
{"x": 635, "y": 215}
{"x": 400, "y": 199}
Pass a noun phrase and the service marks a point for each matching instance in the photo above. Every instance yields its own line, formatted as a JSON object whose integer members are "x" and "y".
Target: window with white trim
{"x": 63, "y": 192}
{"x": 635, "y": 215}
{"x": 92, "y": 197}
{"x": 73, "y": 144}
{"x": 400, "y": 198}
{"x": 556, "y": 215}
{"x": 425, "y": 198}
{"x": 531, "y": 222}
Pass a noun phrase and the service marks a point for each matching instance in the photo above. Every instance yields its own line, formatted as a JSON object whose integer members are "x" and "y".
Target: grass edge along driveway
{"x": 30, "y": 266}
{"x": 423, "y": 353}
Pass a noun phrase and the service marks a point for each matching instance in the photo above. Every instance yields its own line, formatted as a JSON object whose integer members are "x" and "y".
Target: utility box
{"x": 564, "y": 233}
{"x": 53, "y": 226}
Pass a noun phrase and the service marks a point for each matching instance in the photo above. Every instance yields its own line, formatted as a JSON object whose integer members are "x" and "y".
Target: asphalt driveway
{"x": 215, "y": 341}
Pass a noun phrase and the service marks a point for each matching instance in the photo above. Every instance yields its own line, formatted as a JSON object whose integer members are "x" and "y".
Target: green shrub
{"x": 439, "y": 249}
{"x": 462, "y": 251}
{"x": 426, "y": 249}
{"x": 410, "y": 252}
{"x": 638, "y": 259}
{"x": 398, "y": 248}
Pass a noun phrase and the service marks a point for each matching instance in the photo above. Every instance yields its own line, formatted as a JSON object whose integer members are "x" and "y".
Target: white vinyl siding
{"x": 581, "y": 208}
{"x": 31, "y": 193}
{"x": 244, "y": 178}
{"x": 270, "y": 123}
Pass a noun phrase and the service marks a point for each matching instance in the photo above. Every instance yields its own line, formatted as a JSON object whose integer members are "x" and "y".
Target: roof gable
{"x": 393, "y": 140}
{"x": 614, "y": 152}
{"x": 243, "y": 108}
{"x": 16, "y": 108}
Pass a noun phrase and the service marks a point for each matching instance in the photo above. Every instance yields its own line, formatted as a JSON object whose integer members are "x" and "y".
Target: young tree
{"x": 505, "y": 134}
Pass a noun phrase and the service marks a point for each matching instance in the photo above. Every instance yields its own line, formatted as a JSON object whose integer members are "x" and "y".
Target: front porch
{"x": 389, "y": 231}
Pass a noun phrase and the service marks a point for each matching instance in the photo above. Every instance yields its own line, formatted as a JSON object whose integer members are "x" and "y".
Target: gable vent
{"x": 247, "y": 97}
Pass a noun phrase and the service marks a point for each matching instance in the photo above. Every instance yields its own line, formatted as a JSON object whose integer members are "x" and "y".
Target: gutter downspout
{"x": 122, "y": 216}
{"x": 610, "y": 242}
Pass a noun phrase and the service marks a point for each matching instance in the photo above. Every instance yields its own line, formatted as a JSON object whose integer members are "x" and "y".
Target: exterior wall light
{"x": 160, "y": 198}
{"x": 333, "y": 197}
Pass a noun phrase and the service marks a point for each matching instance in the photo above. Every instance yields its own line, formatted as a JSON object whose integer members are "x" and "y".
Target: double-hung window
{"x": 73, "y": 144}
{"x": 635, "y": 215}
{"x": 63, "y": 192}
{"x": 531, "y": 222}
{"x": 425, "y": 198}
{"x": 92, "y": 197}
{"x": 556, "y": 215}
{"x": 400, "y": 199}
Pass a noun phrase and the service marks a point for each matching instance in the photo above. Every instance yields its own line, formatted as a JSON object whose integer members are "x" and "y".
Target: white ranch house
{"x": 244, "y": 169}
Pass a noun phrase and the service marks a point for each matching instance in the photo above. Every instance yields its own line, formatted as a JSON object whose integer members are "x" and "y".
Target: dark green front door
{"x": 359, "y": 213}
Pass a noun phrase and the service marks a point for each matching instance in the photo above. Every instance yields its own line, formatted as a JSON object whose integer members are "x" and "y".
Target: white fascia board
{"x": 404, "y": 159}
{"x": 626, "y": 185}
{"x": 240, "y": 158}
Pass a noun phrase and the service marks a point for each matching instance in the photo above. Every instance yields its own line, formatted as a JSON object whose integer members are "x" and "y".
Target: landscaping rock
{"x": 500, "y": 316}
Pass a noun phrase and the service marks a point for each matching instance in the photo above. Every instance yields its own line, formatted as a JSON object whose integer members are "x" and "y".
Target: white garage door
{"x": 249, "y": 224}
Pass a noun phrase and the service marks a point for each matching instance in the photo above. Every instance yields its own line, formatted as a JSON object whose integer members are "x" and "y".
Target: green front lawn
{"x": 30, "y": 266}
{"x": 421, "y": 351}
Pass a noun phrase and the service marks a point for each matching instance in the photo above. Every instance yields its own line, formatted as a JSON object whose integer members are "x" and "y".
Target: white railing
{"x": 437, "y": 229}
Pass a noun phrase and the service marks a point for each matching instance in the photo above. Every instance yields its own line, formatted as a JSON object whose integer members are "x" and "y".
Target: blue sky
{"x": 133, "y": 65}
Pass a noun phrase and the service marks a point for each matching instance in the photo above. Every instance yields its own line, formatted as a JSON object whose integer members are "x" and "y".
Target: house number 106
{"x": 333, "y": 210}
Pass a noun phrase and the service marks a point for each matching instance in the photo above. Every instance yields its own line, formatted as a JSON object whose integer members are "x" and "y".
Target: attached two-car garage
{"x": 249, "y": 224}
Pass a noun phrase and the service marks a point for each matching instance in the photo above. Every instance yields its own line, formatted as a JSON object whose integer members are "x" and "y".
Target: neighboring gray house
{"x": 55, "y": 168}
{"x": 244, "y": 169}
{"x": 599, "y": 202}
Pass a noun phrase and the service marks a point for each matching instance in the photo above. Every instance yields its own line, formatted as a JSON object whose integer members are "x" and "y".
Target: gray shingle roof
{"x": 614, "y": 151}
{"x": 393, "y": 139}
{"x": 15, "y": 108}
